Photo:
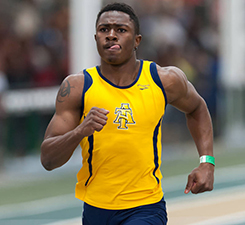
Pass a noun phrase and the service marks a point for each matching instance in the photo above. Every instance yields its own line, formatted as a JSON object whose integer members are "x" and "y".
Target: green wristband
{"x": 207, "y": 159}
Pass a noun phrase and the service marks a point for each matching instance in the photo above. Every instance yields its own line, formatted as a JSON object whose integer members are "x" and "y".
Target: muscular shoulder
{"x": 174, "y": 82}
{"x": 71, "y": 89}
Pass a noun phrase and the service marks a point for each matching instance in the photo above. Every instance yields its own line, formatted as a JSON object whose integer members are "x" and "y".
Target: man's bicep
{"x": 188, "y": 102}
{"x": 67, "y": 108}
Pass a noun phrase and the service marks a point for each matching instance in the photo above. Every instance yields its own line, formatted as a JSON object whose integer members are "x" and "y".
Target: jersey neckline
{"x": 121, "y": 87}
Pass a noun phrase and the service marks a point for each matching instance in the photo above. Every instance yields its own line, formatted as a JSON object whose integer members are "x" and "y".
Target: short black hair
{"x": 122, "y": 7}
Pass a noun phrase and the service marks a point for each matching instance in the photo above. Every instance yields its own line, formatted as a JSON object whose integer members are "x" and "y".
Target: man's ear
{"x": 95, "y": 37}
{"x": 138, "y": 38}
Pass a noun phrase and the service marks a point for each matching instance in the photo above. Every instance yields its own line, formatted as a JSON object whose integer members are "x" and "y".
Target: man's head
{"x": 117, "y": 37}
{"x": 121, "y": 7}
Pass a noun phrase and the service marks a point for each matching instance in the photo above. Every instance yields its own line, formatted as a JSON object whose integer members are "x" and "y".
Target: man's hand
{"x": 201, "y": 179}
{"x": 94, "y": 121}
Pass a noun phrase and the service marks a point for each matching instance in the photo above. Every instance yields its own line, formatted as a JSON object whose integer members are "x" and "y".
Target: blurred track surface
{"x": 224, "y": 205}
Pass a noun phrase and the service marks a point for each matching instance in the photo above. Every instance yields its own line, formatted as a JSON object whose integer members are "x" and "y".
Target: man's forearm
{"x": 201, "y": 179}
{"x": 200, "y": 126}
{"x": 56, "y": 151}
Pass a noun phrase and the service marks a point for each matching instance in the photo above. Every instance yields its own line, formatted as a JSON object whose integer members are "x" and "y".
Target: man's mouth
{"x": 113, "y": 47}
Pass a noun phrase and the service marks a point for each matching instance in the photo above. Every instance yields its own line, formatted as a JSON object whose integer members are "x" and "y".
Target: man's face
{"x": 115, "y": 37}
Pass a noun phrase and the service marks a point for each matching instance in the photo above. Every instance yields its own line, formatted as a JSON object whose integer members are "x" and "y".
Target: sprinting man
{"x": 114, "y": 111}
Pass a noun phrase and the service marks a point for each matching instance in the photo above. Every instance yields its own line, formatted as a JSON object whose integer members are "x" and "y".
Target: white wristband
{"x": 207, "y": 159}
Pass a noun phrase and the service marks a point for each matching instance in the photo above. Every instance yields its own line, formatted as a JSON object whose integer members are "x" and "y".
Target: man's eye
{"x": 103, "y": 29}
{"x": 121, "y": 30}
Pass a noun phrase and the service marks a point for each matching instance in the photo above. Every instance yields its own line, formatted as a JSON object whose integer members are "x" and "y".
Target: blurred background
{"x": 43, "y": 41}
{"x": 37, "y": 53}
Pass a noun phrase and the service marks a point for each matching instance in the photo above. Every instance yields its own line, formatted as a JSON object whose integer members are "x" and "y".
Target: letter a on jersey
{"x": 124, "y": 116}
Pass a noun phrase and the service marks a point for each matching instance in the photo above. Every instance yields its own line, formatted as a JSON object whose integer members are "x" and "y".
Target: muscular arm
{"x": 182, "y": 95}
{"x": 64, "y": 132}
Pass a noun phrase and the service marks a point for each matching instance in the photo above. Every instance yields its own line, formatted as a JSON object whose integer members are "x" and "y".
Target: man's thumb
{"x": 189, "y": 184}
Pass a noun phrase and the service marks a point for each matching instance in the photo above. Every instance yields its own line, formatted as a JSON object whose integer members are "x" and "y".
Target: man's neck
{"x": 121, "y": 75}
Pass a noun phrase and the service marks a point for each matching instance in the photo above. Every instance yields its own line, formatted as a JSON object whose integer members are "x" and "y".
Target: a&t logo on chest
{"x": 124, "y": 116}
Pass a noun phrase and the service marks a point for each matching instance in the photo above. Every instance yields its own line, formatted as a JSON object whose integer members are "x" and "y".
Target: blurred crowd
{"x": 33, "y": 53}
{"x": 183, "y": 33}
{"x": 34, "y": 42}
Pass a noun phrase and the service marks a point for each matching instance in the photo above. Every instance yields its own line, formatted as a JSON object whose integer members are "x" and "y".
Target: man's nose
{"x": 111, "y": 35}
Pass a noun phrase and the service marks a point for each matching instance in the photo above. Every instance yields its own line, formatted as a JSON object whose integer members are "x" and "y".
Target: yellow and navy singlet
{"x": 121, "y": 163}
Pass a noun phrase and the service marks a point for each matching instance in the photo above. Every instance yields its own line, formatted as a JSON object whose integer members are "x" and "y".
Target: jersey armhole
{"x": 87, "y": 84}
{"x": 156, "y": 79}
